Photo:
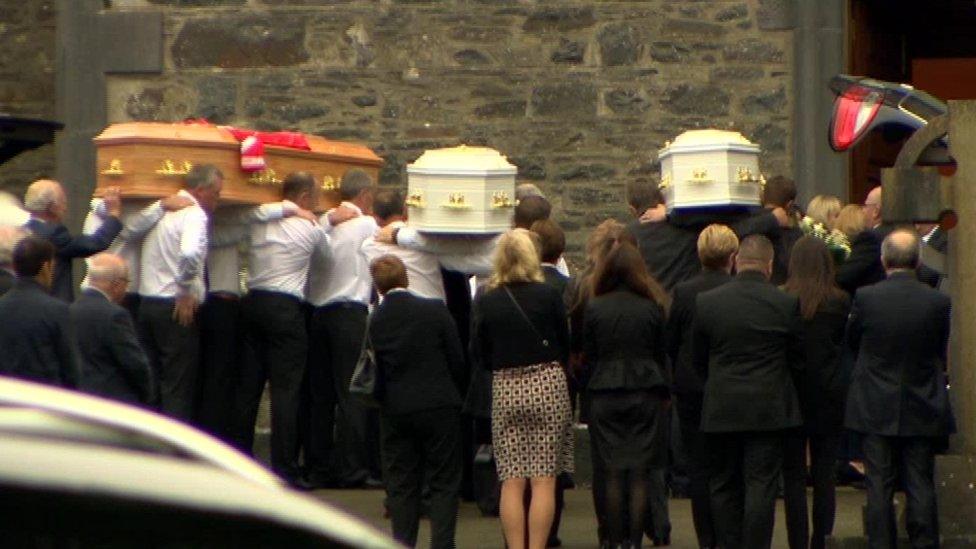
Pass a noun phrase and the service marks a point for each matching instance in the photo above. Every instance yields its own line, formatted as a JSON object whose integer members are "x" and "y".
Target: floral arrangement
{"x": 836, "y": 241}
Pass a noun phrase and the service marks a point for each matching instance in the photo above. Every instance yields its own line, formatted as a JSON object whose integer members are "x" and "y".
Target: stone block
{"x": 626, "y": 101}
{"x": 769, "y": 102}
{"x": 532, "y": 168}
{"x": 619, "y": 45}
{"x": 753, "y": 50}
{"x": 569, "y": 51}
{"x": 732, "y": 13}
{"x": 233, "y": 42}
{"x": 471, "y": 57}
{"x": 707, "y": 100}
{"x": 559, "y": 19}
{"x": 731, "y": 72}
{"x": 502, "y": 109}
{"x": 567, "y": 98}
{"x": 695, "y": 27}
{"x": 776, "y": 14}
{"x": 771, "y": 138}
{"x": 588, "y": 172}
{"x": 217, "y": 99}
{"x": 669, "y": 52}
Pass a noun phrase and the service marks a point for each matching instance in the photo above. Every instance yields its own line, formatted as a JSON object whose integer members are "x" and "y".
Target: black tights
{"x": 625, "y": 520}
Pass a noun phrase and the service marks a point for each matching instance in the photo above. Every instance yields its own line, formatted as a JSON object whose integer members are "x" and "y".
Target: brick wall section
{"x": 27, "y": 76}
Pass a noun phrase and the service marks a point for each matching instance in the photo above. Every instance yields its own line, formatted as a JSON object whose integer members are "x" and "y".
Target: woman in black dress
{"x": 624, "y": 350}
{"x": 520, "y": 333}
{"x": 822, "y": 390}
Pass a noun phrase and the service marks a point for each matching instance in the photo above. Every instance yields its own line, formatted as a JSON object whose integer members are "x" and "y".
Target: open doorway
{"x": 930, "y": 45}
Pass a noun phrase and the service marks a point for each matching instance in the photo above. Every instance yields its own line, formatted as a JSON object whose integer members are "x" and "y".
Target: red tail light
{"x": 853, "y": 113}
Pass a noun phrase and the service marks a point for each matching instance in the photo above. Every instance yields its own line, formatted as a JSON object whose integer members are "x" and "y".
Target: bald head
{"x": 9, "y": 237}
{"x": 110, "y": 274}
{"x": 872, "y": 208}
{"x": 45, "y": 199}
{"x": 755, "y": 254}
{"x": 899, "y": 251}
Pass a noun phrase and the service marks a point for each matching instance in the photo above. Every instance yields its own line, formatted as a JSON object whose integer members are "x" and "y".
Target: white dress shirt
{"x": 423, "y": 268}
{"x": 174, "y": 252}
{"x": 278, "y": 260}
{"x": 127, "y": 244}
{"x": 463, "y": 253}
{"x": 345, "y": 275}
{"x": 230, "y": 228}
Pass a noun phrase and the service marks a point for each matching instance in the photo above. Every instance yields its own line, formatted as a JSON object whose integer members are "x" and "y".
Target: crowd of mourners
{"x": 748, "y": 352}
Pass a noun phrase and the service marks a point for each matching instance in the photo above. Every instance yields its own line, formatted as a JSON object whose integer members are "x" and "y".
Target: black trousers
{"x": 689, "y": 408}
{"x": 823, "y": 459}
{"x": 275, "y": 347}
{"x": 337, "y": 332}
{"x": 744, "y": 470}
{"x": 418, "y": 448}
{"x": 219, "y": 355}
{"x": 173, "y": 353}
{"x": 915, "y": 458}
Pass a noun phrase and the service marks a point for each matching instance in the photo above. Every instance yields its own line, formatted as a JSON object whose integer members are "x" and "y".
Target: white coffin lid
{"x": 708, "y": 141}
{"x": 463, "y": 160}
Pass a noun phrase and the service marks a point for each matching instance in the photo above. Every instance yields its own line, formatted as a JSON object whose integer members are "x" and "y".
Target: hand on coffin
{"x": 185, "y": 309}
{"x": 112, "y": 198}
{"x": 654, "y": 215}
{"x": 387, "y": 234}
{"x": 782, "y": 217}
{"x": 175, "y": 203}
{"x": 341, "y": 214}
{"x": 306, "y": 215}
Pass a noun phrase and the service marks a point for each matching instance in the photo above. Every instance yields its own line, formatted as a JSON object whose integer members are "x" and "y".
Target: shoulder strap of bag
{"x": 545, "y": 342}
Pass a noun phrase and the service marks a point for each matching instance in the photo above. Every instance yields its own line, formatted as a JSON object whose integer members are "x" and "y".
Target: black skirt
{"x": 629, "y": 429}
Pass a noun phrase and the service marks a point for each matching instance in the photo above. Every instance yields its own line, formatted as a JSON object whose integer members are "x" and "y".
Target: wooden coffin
{"x": 148, "y": 160}
{"x": 461, "y": 190}
{"x": 710, "y": 169}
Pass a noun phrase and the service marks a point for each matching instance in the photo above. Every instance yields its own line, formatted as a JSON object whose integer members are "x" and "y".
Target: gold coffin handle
{"x": 329, "y": 183}
{"x": 415, "y": 200}
{"x": 264, "y": 177}
{"x": 455, "y": 201}
{"x": 114, "y": 168}
{"x": 500, "y": 199}
{"x": 699, "y": 176}
{"x": 170, "y": 168}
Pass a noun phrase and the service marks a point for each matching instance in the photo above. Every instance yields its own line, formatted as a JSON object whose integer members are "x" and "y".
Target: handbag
{"x": 366, "y": 385}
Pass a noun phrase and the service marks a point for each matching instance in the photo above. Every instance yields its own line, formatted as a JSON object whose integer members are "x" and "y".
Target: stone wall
{"x": 27, "y": 76}
{"x": 579, "y": 94}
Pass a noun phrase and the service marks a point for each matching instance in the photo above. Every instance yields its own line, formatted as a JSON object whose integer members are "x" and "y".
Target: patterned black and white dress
{"x": 531, "y": 421}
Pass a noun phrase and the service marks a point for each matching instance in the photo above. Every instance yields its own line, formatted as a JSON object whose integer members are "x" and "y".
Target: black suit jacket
{"x": 623, "y": 342}
{"x": 679, "y": 332}
{"x": 863, "y": 266}
{"x": 36, "y": 340}
{"x": 69, "y": 247}
{"x": 7, "y": 280}
{"x": 670, "y": 252}
{"x": 747, "y": 343}
{"x": 113, "y": 363}
{"x": 419, "y": 354}
{"x": 822, "y": 385}
{"x": 556, "y": 279}
{"x": 899, "y": 329}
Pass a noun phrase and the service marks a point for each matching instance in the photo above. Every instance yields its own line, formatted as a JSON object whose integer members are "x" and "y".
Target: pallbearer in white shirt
{"x": 171, "y": 287}
{"x": 273, "y": 322}
{"x": 339, "y": 290}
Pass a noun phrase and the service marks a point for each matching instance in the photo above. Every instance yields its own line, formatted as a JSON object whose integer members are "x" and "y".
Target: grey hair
{"x": 898, "y": 252}
{"x": 354, "y": 182}
{"x": 9, "y": 237}
{"x": 526, "y": 190}
{"x": 203, "y": 176}
{"x": 106, "y": 267}
{"x": 40, "y": 195}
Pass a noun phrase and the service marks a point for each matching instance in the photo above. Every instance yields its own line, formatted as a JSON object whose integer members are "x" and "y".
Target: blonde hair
{"x": 516, "y": 260}
{"x": 715, "y": 245}
{"x": 850, "y": 220}
{"x": 824, "y": 209}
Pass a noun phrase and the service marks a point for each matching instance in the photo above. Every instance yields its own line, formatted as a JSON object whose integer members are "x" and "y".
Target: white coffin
{"x": 710, "y": 168}
{"x": 461, "y": 190}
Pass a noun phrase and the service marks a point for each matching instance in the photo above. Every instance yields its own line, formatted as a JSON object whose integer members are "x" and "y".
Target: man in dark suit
{"x": 747, "y": 341}
{"x": 9, "y": 237}
{"x": 422, "y": 368}
{"x": 35, "y": 336}
{"x": 113, "y": 364}
{"x": 47, "y": 203}
{"x": 899, "y": 329}
{"x": 717, "y": 245}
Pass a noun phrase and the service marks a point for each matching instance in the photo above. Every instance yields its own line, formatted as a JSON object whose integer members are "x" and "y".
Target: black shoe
{"x": 662, "y": 542}
{"x": 300, "y": 484}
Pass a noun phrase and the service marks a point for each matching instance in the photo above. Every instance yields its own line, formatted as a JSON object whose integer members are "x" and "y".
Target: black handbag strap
{"x": 545, "y": 342}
